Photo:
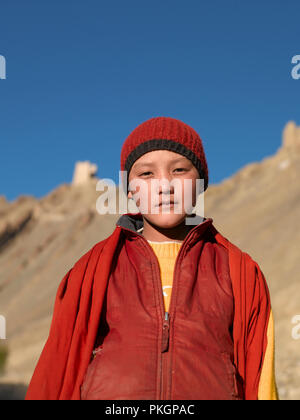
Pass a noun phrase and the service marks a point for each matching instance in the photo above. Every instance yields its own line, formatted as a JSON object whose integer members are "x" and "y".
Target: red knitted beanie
{"x": 164, "y": 133}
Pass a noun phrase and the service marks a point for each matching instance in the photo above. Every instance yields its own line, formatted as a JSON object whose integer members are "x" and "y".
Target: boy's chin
{"x": 165, "y": 221}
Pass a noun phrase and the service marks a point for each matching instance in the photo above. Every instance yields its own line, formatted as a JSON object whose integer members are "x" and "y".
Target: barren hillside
{"x": 258, "y": 209}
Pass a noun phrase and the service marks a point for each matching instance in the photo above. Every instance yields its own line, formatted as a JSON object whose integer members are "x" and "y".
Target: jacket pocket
{"x": 88, "y": 381}
{"x": 232, "y": 376}
{"x": 97, "y": 351}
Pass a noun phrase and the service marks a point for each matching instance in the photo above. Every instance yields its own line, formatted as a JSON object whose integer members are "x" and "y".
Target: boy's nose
{"x": 164, "y": 185}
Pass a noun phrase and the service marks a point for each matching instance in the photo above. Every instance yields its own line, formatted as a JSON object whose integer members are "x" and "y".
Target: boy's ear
{"x": 129, "y": 195}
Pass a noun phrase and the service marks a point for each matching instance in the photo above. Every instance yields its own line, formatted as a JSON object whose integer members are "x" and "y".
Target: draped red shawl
{"x": 74, "y": 328}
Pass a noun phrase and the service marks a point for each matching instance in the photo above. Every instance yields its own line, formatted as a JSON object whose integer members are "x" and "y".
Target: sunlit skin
{"x": 163, "y": 165}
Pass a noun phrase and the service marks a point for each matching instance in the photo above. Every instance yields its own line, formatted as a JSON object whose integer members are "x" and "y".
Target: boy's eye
{"x": 147, "y": 173}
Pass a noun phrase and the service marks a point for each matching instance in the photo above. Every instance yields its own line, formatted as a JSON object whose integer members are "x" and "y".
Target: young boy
{"x": 161, "y": 309}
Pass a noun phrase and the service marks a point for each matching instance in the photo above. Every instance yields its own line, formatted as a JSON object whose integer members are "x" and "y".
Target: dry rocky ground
{"x": 258, "y": 209}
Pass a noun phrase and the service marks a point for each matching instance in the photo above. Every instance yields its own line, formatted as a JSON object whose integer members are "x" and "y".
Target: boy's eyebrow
{"x": 138, "y": 165}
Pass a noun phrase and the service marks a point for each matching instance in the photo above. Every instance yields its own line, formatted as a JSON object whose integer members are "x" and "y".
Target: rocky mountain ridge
{"x": 257, "y": 208}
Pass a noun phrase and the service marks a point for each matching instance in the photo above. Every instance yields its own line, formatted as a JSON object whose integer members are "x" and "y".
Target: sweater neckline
{"x": 159, "y": 242}
{"x": 164, "y": 242}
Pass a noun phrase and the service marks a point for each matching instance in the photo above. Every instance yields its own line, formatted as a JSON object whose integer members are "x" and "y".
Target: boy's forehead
{"x": 158, "y": 157}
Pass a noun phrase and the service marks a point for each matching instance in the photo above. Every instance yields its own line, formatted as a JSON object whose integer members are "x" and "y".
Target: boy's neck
{"x": 157, "y": 234}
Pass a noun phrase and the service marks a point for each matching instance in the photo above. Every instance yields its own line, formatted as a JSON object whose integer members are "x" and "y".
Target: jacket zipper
{"x": 165, "y": 335}
{"x": 164, "y": 356}
{"x": 166, "y": 315}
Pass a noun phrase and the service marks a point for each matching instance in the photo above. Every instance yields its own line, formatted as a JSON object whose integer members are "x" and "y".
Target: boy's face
{"x": 159, "y": 176}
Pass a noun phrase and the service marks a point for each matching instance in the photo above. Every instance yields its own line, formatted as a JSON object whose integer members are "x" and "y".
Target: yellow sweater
{"x": 166, "y": 253}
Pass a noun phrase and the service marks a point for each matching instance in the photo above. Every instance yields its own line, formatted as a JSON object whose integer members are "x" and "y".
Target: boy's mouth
{"x": 166, "y": 203}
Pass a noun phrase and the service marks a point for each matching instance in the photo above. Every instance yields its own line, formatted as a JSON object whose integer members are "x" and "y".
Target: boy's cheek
{"x": 146, "y": 199}
{"x": 142, "y": 200}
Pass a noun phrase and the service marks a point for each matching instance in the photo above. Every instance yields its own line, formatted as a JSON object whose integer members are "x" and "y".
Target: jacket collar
{"x": 134, "y": 222}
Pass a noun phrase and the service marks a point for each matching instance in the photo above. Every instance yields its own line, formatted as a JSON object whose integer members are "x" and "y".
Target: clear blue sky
{"x": 81, "y": 75}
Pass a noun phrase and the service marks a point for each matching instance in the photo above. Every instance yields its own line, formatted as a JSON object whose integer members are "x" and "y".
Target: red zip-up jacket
{"x": 186, "y": 353}
{"x": 211, "y": 344}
